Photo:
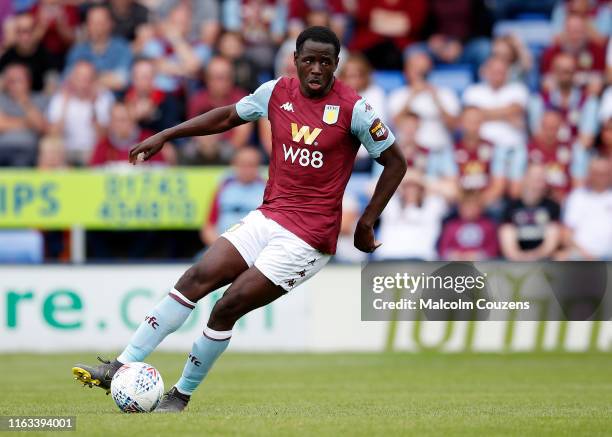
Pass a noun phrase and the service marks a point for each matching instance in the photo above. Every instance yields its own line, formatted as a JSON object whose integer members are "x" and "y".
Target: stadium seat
{"x": 21, "y": 246}
{"x": 389, "y": 80}
{"x": 532, "y": 32}
{"x": 455, "y": 77}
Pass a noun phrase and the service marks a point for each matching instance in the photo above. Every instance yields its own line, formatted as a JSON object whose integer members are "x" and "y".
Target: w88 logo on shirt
{"x": 301, "y": 155}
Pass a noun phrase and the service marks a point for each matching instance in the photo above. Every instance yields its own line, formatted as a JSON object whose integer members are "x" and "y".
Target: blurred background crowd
{"x": 503, "y": 109}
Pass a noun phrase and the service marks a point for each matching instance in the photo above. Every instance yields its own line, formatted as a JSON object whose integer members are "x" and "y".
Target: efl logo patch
{"x": 331, "y": 113}
{"x": 378, "y": 130}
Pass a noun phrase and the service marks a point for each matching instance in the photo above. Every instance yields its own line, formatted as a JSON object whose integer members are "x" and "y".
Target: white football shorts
{"x": 280, "y": 255}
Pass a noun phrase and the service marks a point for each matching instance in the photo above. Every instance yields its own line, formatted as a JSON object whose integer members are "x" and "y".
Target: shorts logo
{"x": 304, "y": 132}
{"x": 290, "y": 282}
{"x": 330, "y": 115}
{"x": 235, "y": 226}
{"x": 378, "y": 130}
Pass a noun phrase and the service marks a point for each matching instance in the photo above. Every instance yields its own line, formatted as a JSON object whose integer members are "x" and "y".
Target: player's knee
{"x": 193, "y": 282}
{"x": 227, "y": 311}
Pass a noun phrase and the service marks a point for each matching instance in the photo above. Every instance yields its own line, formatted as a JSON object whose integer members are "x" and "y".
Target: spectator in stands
{"x": 609, "y": 62}
{"x": 383, "y": 29}
{"x": 588, "y": 216}
{"x": 153, "y": 109}
{"x": 28, "y": 51}
{"x": 590, "y": 55}
{"x": 356, "y": 72}
{"x": 231, "y": 46}
{"x": 262, "y": 25}
{"x": 458, "y": 32}
{"x": 51, "y": 153}
{"x": 565, "y": 163}
{"x": 437, "y": 107}
{"x": 503, "y": 108}
{"x": 22, "y": 120}
{"x": 123, "y": 132}
{"x": 220, "y": 91}
{"x": 127, "y": 16}
{"x": 471, "y": 236}
{"x": 79, "y": 112}
{"x": 605, "y": 109}
{"x": 530, "y": 229}
{"x": 304, "y": 13}
{"x": 598, "y": 13}
{"x": 518, "y": 57}
{"x": 436, "y": 165}
{"x": 203, "y": 16}
{"x": 604, "y": 146}
{"x": 480, "y": 164}
{"x": 560, "y": 93}
{"x": 6, "y": 13}
{"x": 56, "y": 26}
{"x": 110, "y": 55}
{"x": 411, "y": 222}
{"x": 177, "y": 56}
{"x": 237, "y": 195}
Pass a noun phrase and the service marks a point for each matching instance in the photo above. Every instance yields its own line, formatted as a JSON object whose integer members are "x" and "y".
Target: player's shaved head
{"x": 318, "y": 34}
{"x": 316, "y": 60}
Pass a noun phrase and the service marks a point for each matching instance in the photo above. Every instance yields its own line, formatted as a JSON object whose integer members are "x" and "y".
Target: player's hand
{"x": 146, "y": 149}
{"x": 364, "y": 237}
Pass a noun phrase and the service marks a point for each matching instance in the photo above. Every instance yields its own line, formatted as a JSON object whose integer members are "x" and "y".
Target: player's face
{"x": 316, "y": 64}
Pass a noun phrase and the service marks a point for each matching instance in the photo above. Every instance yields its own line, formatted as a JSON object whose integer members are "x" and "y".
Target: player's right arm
{"x": 215, "y": 121}
{"x": 212, "y": 122}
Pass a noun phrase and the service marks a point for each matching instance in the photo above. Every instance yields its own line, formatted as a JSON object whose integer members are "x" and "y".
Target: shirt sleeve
{"x": 588, "y": 117}
{"x": 580, "y": 162}
{"x": 370, "y": 130}
{"x": 255, "y": 105}
{"x": 572, "y": 213}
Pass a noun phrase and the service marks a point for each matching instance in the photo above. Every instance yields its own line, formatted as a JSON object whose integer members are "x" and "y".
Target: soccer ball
{"x": 137, "y": 388}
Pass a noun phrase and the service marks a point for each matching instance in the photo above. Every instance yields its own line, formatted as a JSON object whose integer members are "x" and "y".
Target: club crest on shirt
{"x": 378, "y": 130}
{"x": 330, "y": 115}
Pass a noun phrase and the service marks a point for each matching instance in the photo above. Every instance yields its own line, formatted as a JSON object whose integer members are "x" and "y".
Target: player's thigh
{"x": 249, "y": 291}
{"x": 220, "y": 265}
{"x": 233, "y": 253}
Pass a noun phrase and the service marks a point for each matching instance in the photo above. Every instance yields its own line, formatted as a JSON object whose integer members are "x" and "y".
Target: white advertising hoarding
{"x": 96, "y": 308}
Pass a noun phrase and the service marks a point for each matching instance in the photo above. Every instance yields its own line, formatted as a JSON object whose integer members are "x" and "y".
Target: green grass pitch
{"x": 338, "y": 395}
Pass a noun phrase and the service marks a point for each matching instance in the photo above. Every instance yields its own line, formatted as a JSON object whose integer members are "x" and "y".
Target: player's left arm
{"x": 380, "y": 143}
{"x": 394, "y": 163}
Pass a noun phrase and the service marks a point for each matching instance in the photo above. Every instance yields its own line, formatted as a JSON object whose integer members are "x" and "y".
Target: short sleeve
{"x": 471, "y": 96}
{"x": 450, "y": 102}
{"x": 573, "y": 208}
{"x": 498, "y": 162}
{"x": 370, "y": 130}
{"x": 588, "y": 117}
{"x": 519, "y": 94}
{"x": 54, "y": 111}
{"x": 580, "y": 162}
{"x": 255, "y": 105}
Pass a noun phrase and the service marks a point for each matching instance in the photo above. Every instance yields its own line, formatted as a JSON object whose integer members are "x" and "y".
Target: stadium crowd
{"x": 503, "y": 108}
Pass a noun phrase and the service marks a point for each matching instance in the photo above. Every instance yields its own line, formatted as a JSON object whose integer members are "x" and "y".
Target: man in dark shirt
{"x": 531, "y": 230}
{"x": 27, "y": 51}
